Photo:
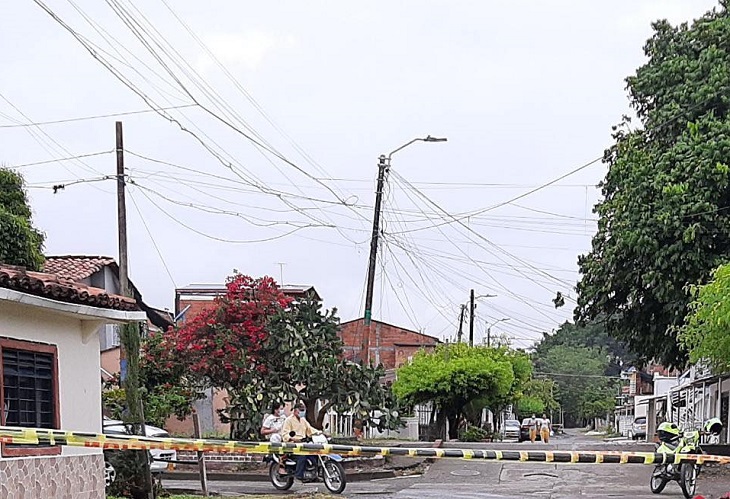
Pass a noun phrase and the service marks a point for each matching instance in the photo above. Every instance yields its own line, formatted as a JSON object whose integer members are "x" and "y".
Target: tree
{"x": 262, "y": 347}
{"x": 706, "y": 334}
{"x": 166, "y": 388}
{"x": 579, "y": 375}
{"x": 453, "y": 376}
{"x": 303, "y": 359}
{"x": 221, "y": 346}
{"x": 537, "y": 398}
{"x": 663, "y": 220}
{"x": 20, "y": 243}
{"x": 591, "y": 335}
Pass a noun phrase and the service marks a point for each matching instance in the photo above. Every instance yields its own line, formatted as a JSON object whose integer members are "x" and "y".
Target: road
{"x": 457, "y": 479}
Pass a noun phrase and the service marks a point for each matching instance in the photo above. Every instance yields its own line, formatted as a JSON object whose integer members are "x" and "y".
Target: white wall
{"x": 79, "y": 384}
{"x": 662, "y": 384}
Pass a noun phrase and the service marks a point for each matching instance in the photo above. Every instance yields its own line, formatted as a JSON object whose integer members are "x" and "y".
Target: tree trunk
{"x": 454, "y": 425}
{"x": 440, "y": 425}
{"x": 319, "y": 424}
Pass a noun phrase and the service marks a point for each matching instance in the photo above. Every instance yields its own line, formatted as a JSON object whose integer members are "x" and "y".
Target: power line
{"x": 58, "y": 160}
{"x": 469, "y": 229}
{"x": 152, "y": 238}
{"x": 215, "y": 238}
{"x": 578, "y": 375}
{"x": 98, "y": 116}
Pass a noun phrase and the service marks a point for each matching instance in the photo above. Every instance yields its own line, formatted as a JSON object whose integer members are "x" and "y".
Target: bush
{"x": 473, "y": 434}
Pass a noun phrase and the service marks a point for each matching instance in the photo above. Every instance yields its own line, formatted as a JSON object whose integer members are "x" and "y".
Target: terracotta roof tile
{"x": 56, "y": 287}
{"x": 76, "y": 268}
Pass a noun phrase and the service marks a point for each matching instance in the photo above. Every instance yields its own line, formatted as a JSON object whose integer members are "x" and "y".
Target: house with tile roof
{"x": 49, "y": 378}
{"x": 103, "y": 272}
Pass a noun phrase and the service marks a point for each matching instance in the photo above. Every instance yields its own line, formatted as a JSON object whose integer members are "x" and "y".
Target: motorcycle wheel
{"x": 279, "y": 481}
{"x": 658, "y": 482}
{"x": 688, "y": 479}
{"x": 333, "y": 476}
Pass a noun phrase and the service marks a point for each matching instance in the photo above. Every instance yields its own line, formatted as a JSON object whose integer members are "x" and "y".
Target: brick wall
{"x": 389, "y": 345}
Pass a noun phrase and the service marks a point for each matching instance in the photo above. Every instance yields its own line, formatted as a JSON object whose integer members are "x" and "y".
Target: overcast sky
{"x": 525, "y": 91}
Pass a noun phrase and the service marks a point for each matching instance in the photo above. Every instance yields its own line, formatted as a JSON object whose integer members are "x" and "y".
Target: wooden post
{"x": 201, "y": 456}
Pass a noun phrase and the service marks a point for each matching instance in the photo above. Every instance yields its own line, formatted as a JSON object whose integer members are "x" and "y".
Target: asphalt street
{"x": 457, "y": 479}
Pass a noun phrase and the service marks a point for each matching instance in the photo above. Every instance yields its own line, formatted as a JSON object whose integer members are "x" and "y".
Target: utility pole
{"x": 129, "y": 333}
{"x": 461, "y": 323}
{"x": 122, "y": 235}
{"x": 471, "y": 318}
{"x": 365, "y": 347}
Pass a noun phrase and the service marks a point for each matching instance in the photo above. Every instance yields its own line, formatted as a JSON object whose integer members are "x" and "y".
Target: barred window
{"x": 29, "y": 390}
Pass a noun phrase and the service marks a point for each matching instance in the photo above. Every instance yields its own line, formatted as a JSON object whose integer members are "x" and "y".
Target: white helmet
{"x": 275, "y": 438}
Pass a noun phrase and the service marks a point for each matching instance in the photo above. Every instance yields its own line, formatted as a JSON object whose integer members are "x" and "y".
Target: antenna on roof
{"x": 281, "y": 273}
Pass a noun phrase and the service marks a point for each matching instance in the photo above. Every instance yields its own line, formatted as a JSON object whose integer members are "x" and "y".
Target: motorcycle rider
{"x": 295, "y": 429}
{"x": 273, "y": 423}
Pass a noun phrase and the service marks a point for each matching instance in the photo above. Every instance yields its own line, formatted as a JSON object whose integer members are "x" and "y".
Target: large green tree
{"x": 459, "y": 379}
{"x": 706, "y": 333}
{"x": 591, "y": 335}
{"x": 20, "y": 243}
{"x": 664, "y": 220}
{"x": 583, "y": 389}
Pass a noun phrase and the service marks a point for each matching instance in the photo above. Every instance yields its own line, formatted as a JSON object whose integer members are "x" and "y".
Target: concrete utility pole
{"x": 471, "y": 318}
{"x": 129, "y": 333}
{"x": 122, "y": 236}
{"x": 461, "y": 323}
{"x": 365, "y": 347}
{"x": 383, "y": 168}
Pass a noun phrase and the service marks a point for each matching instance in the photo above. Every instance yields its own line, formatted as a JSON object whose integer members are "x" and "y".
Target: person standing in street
{"x": 545, "y": 429}
{"x": 532, "y": 423}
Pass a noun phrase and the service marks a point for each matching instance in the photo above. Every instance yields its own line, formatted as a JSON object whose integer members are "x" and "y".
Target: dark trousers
{"x": 301, "y": 464}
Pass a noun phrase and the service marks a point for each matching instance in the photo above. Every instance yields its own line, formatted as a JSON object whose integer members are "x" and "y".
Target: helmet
{"x": 713, "y": 426}
{"x": 668, "y": 432}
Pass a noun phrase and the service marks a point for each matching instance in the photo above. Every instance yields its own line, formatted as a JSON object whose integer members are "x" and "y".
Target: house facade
{"x": 389, "y": 345}
{"x": 102, "y": 272}
{"x": 49, "y": 378}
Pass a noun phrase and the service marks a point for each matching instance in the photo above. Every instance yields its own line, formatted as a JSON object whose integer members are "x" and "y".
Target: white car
{"x": 160, "y": 458}
{"x": 511, "y": 428}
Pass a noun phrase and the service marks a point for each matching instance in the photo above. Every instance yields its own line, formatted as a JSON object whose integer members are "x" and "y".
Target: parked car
{"x": 160, "y": 458}
{"x": 525, "y": 429}
{"x": 638, "y": 429}
{"x": 511, "y": 429}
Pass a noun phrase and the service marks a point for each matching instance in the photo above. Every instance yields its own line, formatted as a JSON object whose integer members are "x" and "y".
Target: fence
{"x": 343, "y": 426}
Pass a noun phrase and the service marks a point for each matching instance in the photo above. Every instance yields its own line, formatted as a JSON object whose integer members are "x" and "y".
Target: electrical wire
{"x": 95, "y": 117}
{"x": 58, "y": 160}
{"x": 152, "y": 238}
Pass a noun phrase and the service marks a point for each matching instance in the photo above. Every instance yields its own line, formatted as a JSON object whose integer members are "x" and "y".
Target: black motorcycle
{"x": 325, "y": 467}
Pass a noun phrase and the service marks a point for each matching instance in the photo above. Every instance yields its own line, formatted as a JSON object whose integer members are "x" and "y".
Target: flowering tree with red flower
{"x": 222, "y": 345}
{"x": 262, "y": 347}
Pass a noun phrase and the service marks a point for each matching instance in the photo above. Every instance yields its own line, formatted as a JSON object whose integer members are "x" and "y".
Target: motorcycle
{"x": 325, "y": 467}
{"x": 671, "y": 442}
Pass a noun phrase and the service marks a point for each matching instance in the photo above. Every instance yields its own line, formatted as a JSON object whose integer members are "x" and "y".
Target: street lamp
{"x": 383, "y": 167}
{"x": 489, "y": 329}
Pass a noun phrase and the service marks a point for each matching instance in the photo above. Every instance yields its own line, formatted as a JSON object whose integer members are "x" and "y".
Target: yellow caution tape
{"x": 36, "y": 436}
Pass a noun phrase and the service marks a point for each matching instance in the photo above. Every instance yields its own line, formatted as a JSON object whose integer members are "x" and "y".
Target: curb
{"x": 257, "y": 477}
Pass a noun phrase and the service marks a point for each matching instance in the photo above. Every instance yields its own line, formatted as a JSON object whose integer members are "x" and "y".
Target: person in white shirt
{"x": 273, "y": 423}
{"x": 545, "y": 429}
